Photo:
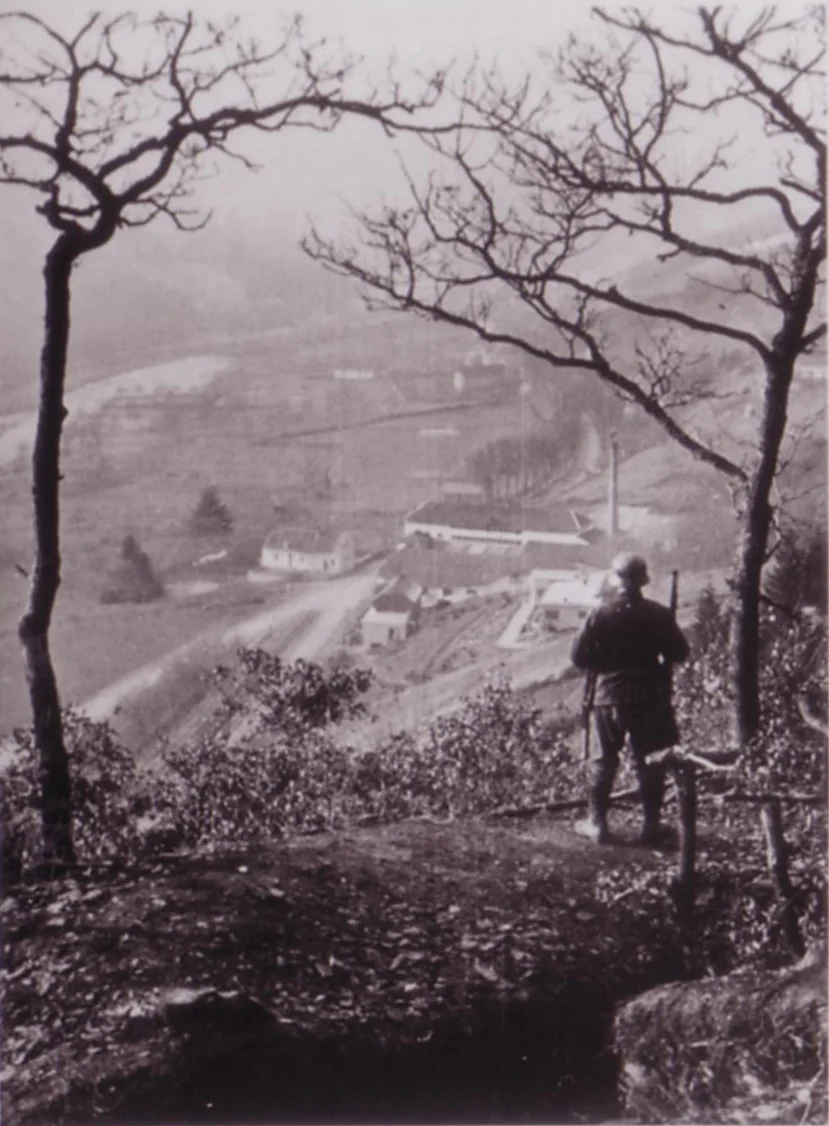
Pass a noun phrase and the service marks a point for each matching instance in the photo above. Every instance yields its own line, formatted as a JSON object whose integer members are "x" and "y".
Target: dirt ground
{"x": 432, "y": 971}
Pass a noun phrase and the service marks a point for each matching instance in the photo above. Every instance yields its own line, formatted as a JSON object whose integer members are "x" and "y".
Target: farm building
{"x": 393, "y": 614}
{"x": 566, "y": 602}
{"x": 308, "y": 551}
{"x": 546, "y": 563}
{"x": 439, "y": 569}
{"x": 496, "y": 526}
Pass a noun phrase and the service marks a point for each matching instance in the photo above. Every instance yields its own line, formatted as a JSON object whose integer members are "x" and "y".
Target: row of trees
{"x": 526, "y": 183}
{"x": 510, "y": 467}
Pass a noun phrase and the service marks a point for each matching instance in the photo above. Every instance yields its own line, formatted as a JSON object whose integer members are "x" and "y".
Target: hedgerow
{"x": 271, "y": 764}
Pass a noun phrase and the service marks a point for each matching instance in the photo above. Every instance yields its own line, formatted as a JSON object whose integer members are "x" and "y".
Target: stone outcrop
{"x": 747, "y": 1047}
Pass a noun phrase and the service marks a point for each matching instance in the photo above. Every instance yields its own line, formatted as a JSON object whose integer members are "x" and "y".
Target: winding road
{"x": 167, "y": 698}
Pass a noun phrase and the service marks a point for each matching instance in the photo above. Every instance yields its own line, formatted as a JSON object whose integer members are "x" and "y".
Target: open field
{"x": 136, "y": 465}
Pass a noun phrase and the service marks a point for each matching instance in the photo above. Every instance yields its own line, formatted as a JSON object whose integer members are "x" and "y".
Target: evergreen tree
{"x": 135, "y": 579}
{"x": 210, "y": 517}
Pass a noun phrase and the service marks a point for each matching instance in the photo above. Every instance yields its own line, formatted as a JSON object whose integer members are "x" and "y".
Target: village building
{"x": 393, "y": 614}
{"x": 548, "y": 563}
{"x": 566, "y": 602}
{"x": 308, "y": 551}
{"x": 493, "y": 526}
{"x": 442, "y": 572}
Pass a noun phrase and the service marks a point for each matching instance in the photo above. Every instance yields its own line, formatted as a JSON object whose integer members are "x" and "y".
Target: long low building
{"x": 497, "y": 525}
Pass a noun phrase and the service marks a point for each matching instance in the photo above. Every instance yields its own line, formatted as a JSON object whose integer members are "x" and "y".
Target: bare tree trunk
{"x": 685, "y": 882}
{"x": 751, "y": 551}
{"x": 777, "y": 854}
{"x": 55, "y": 783}
{"x": 745, "y": 623}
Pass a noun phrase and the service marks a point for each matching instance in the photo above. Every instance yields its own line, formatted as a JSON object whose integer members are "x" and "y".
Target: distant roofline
{"x": 498, "y": 519}
{"x": 297, "y": 539}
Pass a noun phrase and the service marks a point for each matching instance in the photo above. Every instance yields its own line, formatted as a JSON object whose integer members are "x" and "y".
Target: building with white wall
{"x": 456, "y": 521}
{"x": 566, "y": 602}
{"x": 320, "y": 551}
{"x": 393, "y": 614}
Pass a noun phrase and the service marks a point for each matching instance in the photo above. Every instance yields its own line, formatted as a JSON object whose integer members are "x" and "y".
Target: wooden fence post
{"x": 685, "y": 881}
{"x": 777, "y": 855}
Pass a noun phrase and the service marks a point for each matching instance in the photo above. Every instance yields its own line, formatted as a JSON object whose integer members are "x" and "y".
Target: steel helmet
{"x": 630, "y": 569}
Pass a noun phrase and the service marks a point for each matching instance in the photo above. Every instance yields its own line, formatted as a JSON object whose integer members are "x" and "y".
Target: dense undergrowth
{"x": 272, "y": 765}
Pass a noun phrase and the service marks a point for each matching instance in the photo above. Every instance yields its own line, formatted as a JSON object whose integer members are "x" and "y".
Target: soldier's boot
{"x": 652, "y": 789}
{"x": 594, "y": 825}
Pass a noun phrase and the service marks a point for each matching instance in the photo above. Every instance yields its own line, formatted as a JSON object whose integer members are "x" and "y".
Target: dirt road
{"x": 166, "y": 696}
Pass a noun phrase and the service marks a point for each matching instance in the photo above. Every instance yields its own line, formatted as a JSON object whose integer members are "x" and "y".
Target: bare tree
{"x": 112, "y": 127}
{"x": 614, "y": 156}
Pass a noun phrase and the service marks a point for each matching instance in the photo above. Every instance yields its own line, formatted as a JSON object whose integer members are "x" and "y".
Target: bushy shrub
{"x": 291, "y": 696}
{"x": 787, "y": 757}
{"x": 255, "y": 788}
{"x": 112, "y": 804}
{"x": 268, "y": 766}
{"x": 495, "y": 750}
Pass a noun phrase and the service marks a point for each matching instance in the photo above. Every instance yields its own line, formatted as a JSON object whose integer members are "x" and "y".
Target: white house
{"x": 393, "y": 614}
{"x": 383, "y": 627}
{"x": 308, "y": 551}
{"x": 565, "y": 603}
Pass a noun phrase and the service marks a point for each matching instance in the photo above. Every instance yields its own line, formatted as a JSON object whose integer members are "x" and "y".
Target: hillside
{"x": 426, "y": 991}
{"x": 269, "y": 426}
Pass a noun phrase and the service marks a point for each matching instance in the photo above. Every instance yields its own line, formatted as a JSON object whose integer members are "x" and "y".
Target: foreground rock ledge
{"x": 749, "y": 1047}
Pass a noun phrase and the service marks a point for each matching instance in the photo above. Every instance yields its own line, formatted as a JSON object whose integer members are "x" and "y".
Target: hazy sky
{"x": 307, "y": 172}
{"x": 311, "y": 171}
{"x": 310, "y": 175}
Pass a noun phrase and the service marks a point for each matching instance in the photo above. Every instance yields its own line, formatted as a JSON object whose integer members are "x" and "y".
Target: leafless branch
{"x": 109, "y": 133}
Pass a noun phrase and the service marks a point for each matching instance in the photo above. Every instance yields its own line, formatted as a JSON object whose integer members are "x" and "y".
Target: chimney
{"x": 613, "y": 487}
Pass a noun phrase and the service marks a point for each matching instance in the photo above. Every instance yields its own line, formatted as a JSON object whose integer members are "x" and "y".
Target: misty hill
{"x": 157, "y": 294}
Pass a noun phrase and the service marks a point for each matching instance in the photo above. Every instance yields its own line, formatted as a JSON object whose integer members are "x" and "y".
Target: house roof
{"x": 438, "y": 567}
{"x": 575, "y": 592}
{"x": 373, "y": 614}
{"x": 311, "y": 541}
{"x": 394, "y": 602}
{"x": 399, "y": 596}
{"x": 564, "y": 556}
{"x": 513, "y": 519}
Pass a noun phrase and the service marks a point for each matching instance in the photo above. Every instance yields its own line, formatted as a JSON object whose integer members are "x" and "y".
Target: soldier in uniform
{"x": 629, "y": 643}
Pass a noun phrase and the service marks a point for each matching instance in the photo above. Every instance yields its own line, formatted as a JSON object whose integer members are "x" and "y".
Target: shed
{"x": 393, "y": 614}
